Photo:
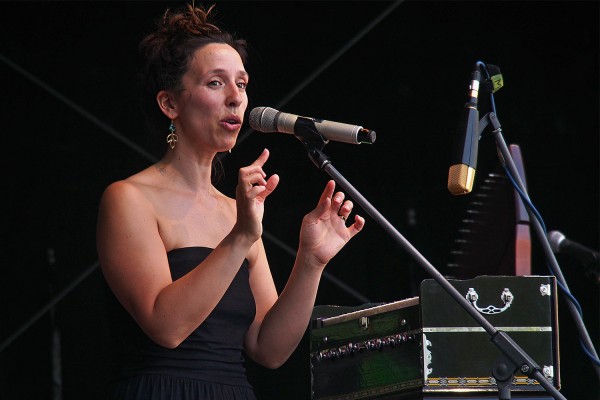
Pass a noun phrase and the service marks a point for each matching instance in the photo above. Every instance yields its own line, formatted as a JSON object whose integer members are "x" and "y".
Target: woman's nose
{"x": 234, "y": 97}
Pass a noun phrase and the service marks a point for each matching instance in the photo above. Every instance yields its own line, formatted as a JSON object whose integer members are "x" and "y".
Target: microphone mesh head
{"x": 262, "y": 119}
{"x": 460, "y": 179}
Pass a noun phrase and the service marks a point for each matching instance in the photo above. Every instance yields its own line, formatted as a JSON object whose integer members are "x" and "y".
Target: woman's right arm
{"x": 134, "y": 263}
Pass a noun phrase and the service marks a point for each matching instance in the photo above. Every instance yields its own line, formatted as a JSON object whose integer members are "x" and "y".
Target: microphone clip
{"x": 493, "y": 80}
{"x": 307, "y": 133}
{"x": 487, "y": 119}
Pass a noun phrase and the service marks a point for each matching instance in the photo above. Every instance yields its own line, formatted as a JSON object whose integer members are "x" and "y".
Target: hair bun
{"x": 193, "y": 21}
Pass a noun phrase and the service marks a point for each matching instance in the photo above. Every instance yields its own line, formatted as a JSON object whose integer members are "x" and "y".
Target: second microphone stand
{"x": 507, "y": 161}
{"x": 514, "y": 357}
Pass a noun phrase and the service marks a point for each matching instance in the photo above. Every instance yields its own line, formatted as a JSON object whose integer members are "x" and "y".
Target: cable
{"x": 528, "y": 203}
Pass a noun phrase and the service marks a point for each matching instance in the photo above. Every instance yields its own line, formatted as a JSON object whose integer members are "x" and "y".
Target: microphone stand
{"x": 507, "y": 161}
{"x": 514, "y": 357}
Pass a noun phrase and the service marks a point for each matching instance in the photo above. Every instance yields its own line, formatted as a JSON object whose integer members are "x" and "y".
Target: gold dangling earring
{"x": 172, "y": 136}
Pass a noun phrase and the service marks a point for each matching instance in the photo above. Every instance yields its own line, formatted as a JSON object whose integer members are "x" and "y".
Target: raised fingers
{"x": 253, "y": 174}
{"x": 262, "y": 159}
{"x": 345, "y": 209}
{"x": 251, "y": 179}
{"x": 341, "y": 207}
{"x": 270, "y": 185}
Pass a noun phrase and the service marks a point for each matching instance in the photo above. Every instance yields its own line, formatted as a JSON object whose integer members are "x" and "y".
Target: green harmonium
{"x": 429, "y": 345}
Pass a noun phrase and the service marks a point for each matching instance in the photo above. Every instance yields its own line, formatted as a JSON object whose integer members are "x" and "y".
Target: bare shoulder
{"x": 125, "y": 205}
{"x": 126, "y": 218}
{"x": 132, "y": 189}
{"x": 120, "y": 196}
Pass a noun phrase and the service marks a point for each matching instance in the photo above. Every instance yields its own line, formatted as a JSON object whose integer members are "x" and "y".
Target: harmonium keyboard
{"x": 430, "y": 347}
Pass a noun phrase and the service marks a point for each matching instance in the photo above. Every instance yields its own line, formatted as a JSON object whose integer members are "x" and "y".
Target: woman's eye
{"x": 242, "y": 85}
{"x": 214, "y": 83}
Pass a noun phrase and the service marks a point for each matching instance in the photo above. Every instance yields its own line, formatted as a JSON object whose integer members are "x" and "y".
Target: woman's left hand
{"x": 324, "y": 232}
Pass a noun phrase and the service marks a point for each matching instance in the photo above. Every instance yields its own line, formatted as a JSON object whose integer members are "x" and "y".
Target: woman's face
{"x": 211, "y": 106}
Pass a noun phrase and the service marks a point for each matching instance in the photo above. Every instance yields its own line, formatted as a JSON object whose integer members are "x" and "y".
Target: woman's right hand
{"x": 252, "y": 189}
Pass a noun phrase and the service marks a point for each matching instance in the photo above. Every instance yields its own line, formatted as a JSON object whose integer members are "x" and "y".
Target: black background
{"x": 67, "y": 76}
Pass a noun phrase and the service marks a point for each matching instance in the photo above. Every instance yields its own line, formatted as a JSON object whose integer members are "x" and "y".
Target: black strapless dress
{"x": 208, "y": 365}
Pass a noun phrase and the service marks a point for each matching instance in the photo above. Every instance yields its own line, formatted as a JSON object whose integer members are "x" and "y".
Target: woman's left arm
{"x": 281, "y": 321}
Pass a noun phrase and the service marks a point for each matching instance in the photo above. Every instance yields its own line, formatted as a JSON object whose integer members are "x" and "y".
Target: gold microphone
{"x": 461, "y": 174}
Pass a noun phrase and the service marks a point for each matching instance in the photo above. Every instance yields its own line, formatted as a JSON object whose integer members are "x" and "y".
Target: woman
{"x": 187, "y": 263}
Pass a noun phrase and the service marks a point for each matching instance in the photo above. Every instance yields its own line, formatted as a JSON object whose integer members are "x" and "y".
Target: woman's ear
{"x": 166, "y": 104}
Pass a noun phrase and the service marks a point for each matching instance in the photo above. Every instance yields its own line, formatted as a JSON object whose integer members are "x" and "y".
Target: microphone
{"x": 267, "y": 119}
{"x": 560, "y": 244}
{"x": 588, "y": 257}
{"x": 461, "y": 174}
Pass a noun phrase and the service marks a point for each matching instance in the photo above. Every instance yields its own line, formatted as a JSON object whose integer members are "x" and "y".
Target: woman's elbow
{"x": 166, "y": 340}
{"x": 274, "y": 364}
{"x": 168, "y": 344}
{"x": 270, "y": 361}
{"x": 164, "y": 334}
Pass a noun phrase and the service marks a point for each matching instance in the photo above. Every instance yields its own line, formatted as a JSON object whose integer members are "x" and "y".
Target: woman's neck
{"x": 187, "y": 171}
